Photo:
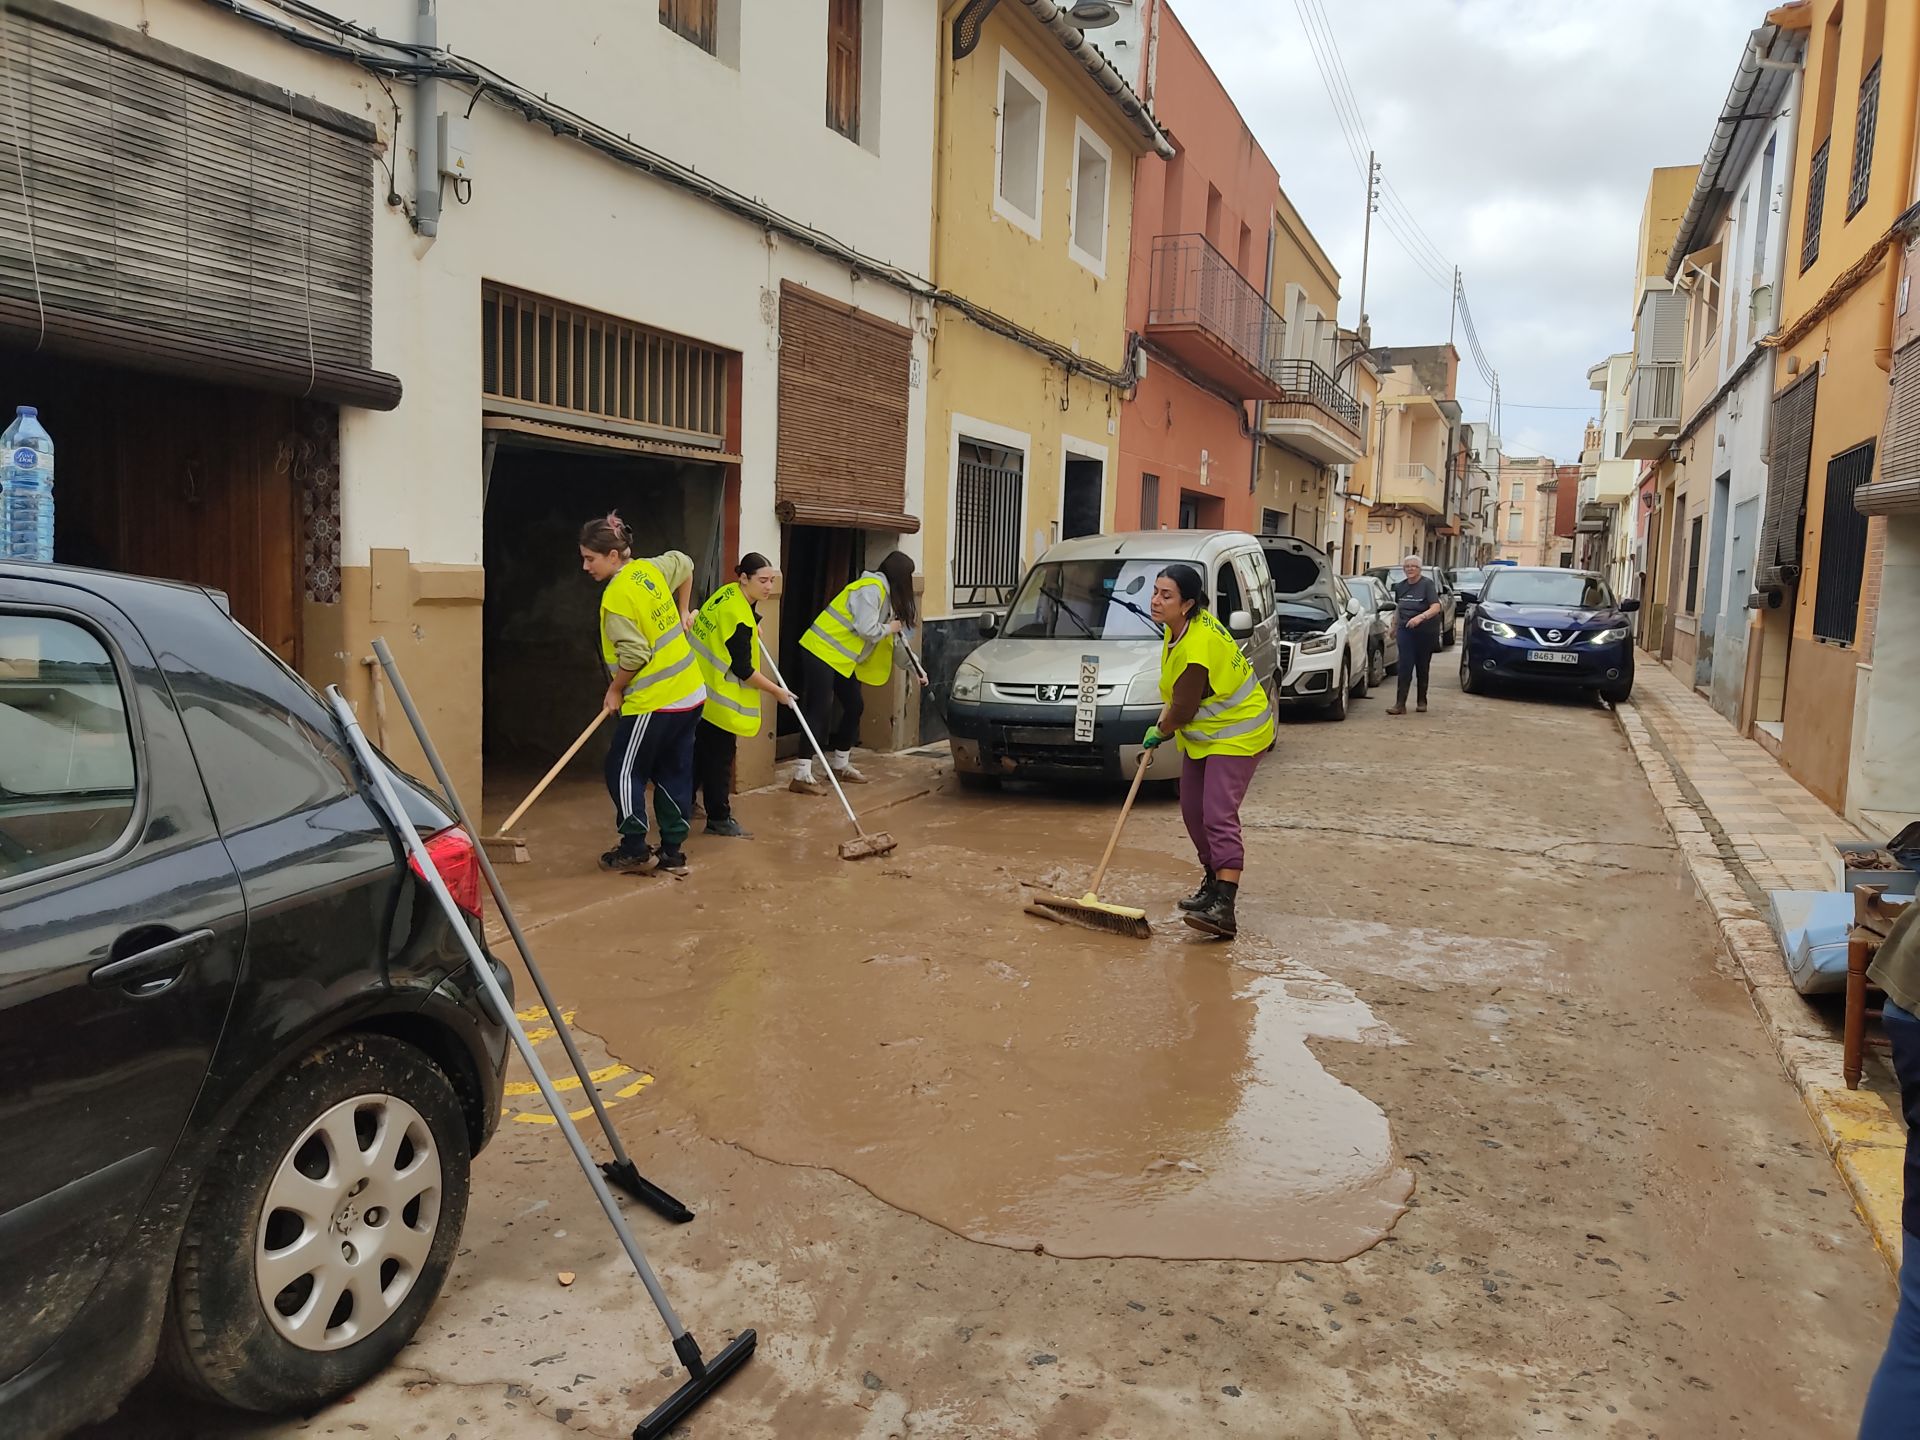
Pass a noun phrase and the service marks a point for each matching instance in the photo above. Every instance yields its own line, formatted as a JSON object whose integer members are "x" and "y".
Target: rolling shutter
{"x": 1898, "y": 489}
{"x": 843, "y": 416}
{"x": 1791, "y": 457}
{"x": 169, "y": 214}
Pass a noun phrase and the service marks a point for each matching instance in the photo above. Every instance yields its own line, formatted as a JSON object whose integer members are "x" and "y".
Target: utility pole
{"x": 1366, "y": 239}
{"x": 1453, "y": 307}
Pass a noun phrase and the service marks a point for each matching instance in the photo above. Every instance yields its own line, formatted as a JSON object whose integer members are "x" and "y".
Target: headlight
{"x": 966, "y": 684}
{"x": 1318, "y": 644}
{"x": 1498, "y": 627}
{"x": 1144, "y": 688}
{"x": 1610, "y": 637}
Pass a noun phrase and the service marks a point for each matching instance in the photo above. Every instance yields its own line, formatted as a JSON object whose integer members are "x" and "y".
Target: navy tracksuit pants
{"x": 653, "y": 749}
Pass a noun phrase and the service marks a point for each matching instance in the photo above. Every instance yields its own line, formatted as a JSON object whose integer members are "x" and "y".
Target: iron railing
{"x": 1866, "y": 122}
{"x": 1304, "y": 381}
{"x": 1655, "y": 398}
{"x": 1194, "y": 284}
{"x": 1816, "y": 205}
{"x": 986, "y": 533}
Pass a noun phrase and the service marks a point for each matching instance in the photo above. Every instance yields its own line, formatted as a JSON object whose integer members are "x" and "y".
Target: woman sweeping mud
{"x": 850, "y": 645}
{"x": 1214, "y": 703}
{"x": 656, "y": 691}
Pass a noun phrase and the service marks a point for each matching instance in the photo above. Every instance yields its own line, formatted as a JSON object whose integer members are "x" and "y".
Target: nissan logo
{"x": 1553, "y": 634}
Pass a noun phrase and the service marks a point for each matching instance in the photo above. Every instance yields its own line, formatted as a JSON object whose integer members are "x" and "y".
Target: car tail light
{"x": 453, "y": 856}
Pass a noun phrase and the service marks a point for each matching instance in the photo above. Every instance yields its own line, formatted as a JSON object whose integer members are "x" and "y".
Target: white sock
{"x": 842, "y": 759}
{"x": 805, "y": 773}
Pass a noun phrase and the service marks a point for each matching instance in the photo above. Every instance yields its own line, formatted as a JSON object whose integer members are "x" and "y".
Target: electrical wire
{"x": 412, "y": 61}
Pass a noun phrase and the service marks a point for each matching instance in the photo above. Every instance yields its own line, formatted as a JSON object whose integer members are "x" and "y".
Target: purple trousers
{"x": 1211, "y": 789}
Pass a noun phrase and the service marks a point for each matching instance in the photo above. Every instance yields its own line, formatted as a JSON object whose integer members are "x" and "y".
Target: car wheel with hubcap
{"x": 1376, "y": 666}
{"x": 1469, "y": 682}
{"x": 1337, "y": 706}
{"x": 323, "y": 1230}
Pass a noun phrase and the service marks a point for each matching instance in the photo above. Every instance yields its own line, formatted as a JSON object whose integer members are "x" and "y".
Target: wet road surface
{"x": 1468, "y": 1135}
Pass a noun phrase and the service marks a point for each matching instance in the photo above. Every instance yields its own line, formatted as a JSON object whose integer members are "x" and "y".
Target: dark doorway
{"x": 541, "y": 669}
{"x": 816, "y": 562}
{"x": 1201, "y": 512}
{"x": 1081, "y": 505}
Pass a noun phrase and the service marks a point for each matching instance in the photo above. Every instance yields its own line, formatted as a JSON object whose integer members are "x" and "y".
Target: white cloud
{"x": 1519, "y": 134}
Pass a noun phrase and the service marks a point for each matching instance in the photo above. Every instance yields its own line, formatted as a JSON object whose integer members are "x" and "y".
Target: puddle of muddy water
{"x": 1021, "y": 1084}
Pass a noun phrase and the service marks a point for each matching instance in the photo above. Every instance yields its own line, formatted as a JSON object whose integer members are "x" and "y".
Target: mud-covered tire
{"x": 1617, "y": 693}
{"x": 1376, "y": 666}
{"x": 1469, "y": 682}
{"x": 219, "y": 1343}
{"x": 1337, "y": 707}
{"x": 1451, "y": 636}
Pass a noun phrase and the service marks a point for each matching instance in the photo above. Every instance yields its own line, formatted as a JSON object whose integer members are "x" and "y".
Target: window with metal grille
{"x": 1816, "y": 205}
{"x": 1866, "y": 121}
{"x": 1693, "y": 566}
{"x": 987, "y": 508}
{"x": 1843, "y": 547}
{"x": 545, "y": 357}
{"x": 695, "y": 20}
{"x": 843, "y": 67}
{"x": 1272, "y": 522}
{"x": 1149, "y": 502}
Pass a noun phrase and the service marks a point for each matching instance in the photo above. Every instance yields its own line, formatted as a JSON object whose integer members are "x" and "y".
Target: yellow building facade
{"x": 1854, "y": 156}
{"x": 1029, "y": 361}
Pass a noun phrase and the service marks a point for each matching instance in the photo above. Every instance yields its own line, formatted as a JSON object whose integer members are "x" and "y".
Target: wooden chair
{"x": 1873, "y": 920}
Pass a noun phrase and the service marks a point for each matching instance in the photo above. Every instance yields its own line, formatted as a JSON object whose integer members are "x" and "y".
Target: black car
{"x": 1468, "y": 581}
{"x": 1549, "y": 627}
{"x": 244, "y": 1061}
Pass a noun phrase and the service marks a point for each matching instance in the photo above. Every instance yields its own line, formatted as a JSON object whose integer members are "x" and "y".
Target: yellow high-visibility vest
{"x": 833, "y": 638}
{"x": 671, "y": 678}
{"x": 731, "y": 704}
{"x": 1235, "y": 718}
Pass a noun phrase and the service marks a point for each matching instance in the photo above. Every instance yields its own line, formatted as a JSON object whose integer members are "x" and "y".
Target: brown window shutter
{"x": 1788, "y": 465}
{"x": 843, "y": 409}
{"x": 843, "y": 67}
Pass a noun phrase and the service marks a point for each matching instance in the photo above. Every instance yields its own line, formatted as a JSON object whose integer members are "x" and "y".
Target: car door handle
{"x": 169, "y": 954}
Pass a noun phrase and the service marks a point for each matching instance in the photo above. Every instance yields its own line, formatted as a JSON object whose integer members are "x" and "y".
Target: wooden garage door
{"x": 843, "y": 415}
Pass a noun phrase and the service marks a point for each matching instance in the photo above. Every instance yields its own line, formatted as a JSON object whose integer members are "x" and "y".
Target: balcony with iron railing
{"x": 1314, "y": 414}
{"x": 1412, "y": 485}
{"x": 1653, "y": 409}
{"x": 1212, "y": 319}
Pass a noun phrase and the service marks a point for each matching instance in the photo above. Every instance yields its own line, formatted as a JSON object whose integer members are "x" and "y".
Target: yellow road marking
{"x": 547, "y": 1032}
{"x": 627, "y": 1092}
{"x": 568, "y": 1082}
{"x": 538, "y": 1012}
{"x": 542, "y": 1118}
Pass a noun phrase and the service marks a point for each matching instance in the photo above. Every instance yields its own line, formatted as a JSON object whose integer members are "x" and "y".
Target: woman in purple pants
{"x": 1216, "y": 706}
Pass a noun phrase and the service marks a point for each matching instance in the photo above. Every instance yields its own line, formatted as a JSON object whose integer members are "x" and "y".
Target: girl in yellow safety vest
{"x": 1217, "y": 707}
{"x": 726, "y": 642}
{"x": 656, "y": 691}
{"x": 850, "y": 645}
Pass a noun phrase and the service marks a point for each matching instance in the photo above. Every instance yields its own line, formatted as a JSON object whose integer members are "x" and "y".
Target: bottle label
{"x": 26, "y": 458}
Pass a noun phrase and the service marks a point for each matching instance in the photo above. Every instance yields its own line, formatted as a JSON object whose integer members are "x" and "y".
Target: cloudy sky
{"x": 1517, "y": 135}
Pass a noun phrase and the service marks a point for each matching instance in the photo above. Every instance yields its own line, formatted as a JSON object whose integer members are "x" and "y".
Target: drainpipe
{"x": 1890, "y": 302}
{"x": 426, "y": 129}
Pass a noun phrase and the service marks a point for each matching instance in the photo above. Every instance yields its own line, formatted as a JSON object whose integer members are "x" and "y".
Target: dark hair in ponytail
{"x": 1187, "y": 581}
{"x": 751, "y": 564}
{"x": 898, "y": 569}
{"x": 608, "y": 535}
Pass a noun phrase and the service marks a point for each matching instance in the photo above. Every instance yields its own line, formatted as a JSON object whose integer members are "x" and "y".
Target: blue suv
{"x": 1551, "y": 628}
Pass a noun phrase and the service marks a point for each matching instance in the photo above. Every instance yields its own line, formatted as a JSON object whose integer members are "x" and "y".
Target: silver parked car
{"x": 1081, "y": 620}
{"x": 1383, "y": 646}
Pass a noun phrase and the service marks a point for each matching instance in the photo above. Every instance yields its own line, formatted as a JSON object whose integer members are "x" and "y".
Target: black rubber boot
{"x": 1200, "y": 898}
{"x": 1217, "y": 919}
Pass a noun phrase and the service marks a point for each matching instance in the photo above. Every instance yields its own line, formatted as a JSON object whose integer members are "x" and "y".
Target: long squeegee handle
{"x": 801, "y": 716}
{"x": 396, "y": 816}
{"x": 401, "y": 693}
{"x": 1146, "y": 759}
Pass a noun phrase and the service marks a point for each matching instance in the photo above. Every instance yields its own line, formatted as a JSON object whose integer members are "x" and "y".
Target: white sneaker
{"x": 847, "y": 775}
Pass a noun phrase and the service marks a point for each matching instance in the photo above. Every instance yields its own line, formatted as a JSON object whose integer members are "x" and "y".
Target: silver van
{"x": 1069, "y": 679}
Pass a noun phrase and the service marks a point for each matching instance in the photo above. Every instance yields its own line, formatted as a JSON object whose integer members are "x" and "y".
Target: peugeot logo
{"x": 1050, "y": 694}
{"x": 1553, "y": 634}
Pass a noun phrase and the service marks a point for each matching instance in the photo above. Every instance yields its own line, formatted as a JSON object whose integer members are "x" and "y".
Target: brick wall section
{"x": 1870, "y": 586}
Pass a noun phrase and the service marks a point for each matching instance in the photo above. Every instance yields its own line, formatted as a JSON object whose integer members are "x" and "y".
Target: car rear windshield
{"x": 1095, "y": 599}
{"x": 1466, "y": 577}
{"x": 1547, "y": 587}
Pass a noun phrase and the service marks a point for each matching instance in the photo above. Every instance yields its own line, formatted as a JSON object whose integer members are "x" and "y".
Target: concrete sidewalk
{"x": 1747, "y": 827}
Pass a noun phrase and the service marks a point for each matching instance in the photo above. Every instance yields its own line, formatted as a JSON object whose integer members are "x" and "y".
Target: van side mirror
{"x": 989, "y": 625}
{"x": 1240, "y": 623}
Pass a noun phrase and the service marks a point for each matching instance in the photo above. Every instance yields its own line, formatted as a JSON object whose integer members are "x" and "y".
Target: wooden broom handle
{"x": 548, "y": 778}
{"x": 1146, "y": 759}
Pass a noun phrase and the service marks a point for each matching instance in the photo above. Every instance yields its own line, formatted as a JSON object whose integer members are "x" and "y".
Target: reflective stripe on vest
{"x": 1239, "y": 722}
{"x": 732, "y": 704}
{"x": 669, "y": 679}
{"x": 833, "y": 638}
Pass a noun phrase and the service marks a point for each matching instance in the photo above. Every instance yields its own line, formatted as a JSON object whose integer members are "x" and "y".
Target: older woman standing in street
{"x": 1417, "y": 612}
{"x": 1216, "y": 706}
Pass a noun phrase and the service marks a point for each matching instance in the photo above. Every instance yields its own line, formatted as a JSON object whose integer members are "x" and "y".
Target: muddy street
{"x": 1469, "y": 1134}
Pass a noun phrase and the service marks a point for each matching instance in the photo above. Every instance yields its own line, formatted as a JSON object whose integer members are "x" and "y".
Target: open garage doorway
{"x": 542, "y": 673}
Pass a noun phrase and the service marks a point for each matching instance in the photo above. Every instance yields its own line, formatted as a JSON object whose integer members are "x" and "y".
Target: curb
{"x": 1866, "y": 1143}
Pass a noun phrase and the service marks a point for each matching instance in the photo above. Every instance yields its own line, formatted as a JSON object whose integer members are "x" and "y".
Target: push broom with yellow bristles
{"x": 1090, "y": 910}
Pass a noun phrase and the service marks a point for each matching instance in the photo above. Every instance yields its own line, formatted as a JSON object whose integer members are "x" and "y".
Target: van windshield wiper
{"x": 1068, "y": 611}
{"x": 1122, "y": 600}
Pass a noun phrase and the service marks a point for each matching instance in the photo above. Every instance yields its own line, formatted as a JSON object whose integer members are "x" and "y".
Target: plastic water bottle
{"x": 26, "y": 523}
